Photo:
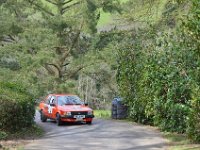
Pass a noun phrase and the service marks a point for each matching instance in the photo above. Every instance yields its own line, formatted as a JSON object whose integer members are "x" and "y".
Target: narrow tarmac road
{"x": 101, "y": 135}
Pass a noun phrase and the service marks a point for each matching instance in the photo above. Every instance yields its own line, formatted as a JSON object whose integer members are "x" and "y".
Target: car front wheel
{"x": 42, "y": 116}
{"x": 58, "y": 119}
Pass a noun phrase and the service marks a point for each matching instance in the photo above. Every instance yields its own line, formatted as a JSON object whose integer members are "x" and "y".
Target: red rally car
{"x": 65, "y": 108}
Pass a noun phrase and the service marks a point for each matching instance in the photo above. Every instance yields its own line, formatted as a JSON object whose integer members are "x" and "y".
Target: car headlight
{"x": 68, "y": 113}
{"x": 90, "y": 112}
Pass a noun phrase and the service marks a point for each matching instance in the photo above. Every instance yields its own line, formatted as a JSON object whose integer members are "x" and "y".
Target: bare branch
{"x": 40, "y": 7}
{"x": 106, "y": 83}
{"x": 74, "y": 72}
{"x": 77, "y": 36}
{"x": 69, "y": 6}
{"x": 16, "y": 13}
{"x": 62, "y": 60}
{"x": 53, "y": 65}
{"x": 58, "y": 69}
{"x": 64, "y": 3}
{"x": 11, "y": 37}
{"x": 50, "y": 71}
{"x": 54, "y": 3}
{"x": 66, "y": 64}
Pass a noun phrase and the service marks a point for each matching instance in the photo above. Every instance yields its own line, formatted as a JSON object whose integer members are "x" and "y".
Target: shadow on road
{"x": 101, "y": 135}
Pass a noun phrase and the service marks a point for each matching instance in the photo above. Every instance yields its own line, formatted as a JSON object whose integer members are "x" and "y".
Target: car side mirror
{"x": 86, "y": 104}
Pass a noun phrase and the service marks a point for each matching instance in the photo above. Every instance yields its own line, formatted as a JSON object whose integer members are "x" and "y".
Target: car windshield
{"x": 69, "y": 100}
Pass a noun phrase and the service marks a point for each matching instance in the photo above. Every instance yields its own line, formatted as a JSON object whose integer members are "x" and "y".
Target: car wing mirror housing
{"x": 86, "y": 104}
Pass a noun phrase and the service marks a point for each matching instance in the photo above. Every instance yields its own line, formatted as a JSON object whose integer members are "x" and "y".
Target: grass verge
{"x": 104, "y": 114}
{"x": 15, "y": 141}
{"x": 27, "y": 133}
{"x": 180, "y": 142}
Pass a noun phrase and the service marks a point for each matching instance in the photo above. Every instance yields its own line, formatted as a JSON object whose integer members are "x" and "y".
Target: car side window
{"x": 61, "y": 100}
{"x": 55, "y": 101}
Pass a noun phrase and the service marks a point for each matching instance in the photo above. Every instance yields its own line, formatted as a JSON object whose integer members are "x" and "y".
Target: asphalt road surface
{"x": 101, "y": 135}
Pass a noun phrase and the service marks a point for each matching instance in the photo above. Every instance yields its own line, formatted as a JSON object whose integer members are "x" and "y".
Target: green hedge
{"x": 192, "y": 33}
{"x": 17, "y": 107}
{"x": 193, "y": 130}
{"x": 158, "y": 75}
{"x": 3, "y": 135}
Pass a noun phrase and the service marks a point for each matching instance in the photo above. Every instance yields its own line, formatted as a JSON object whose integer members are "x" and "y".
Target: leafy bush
{"x": 192, "y": 44}
{"x": 194, "y": 121}
{"x": 153, "y": 82}
{"x": 17, "y": 107}
{"x": 9, "y": 62}
{"x": 158, "y": 75}
{"x": 3, "y": 135}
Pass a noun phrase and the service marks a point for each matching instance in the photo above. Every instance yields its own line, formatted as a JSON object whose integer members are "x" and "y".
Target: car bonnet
{"x": 75, "y": 108}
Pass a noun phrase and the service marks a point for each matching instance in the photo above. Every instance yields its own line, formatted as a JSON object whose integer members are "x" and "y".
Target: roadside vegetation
{"x": 17, "y": 140}
{"x": 46, "y": 47}
{"x": 180, "y": 142}
{"x": 16, "y": 109}
{"x": 103, "y": 114}
{"x": 159, "y": 78}
{"x": 27, "y": 133}
{"x": 149, "y": 56}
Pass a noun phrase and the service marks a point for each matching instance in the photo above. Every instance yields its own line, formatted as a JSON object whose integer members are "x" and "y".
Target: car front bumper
{"x": 72, "y": 119}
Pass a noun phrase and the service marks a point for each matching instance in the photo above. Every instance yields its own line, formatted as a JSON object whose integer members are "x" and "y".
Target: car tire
{"x": 58, "y": 119}
{"x": 89, "y": 122}
{"x": 42, "y": 116}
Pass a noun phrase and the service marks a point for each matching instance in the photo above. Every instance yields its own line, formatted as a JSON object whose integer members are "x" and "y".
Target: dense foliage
{"x": 191, "y": 42}
{"x": 54, "y": 46}
{"x": 159, "y": 73}
{"x": 17, "y": 107}
{"x": 47, "y": 46}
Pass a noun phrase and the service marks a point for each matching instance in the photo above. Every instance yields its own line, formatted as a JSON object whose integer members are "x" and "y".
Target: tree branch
{"x": 50, "y": 71}
{"x": 64, "y": 3}
{"x": 16, "y": 13}
{"x": 69, "y": 6}
{"x": 62, "y": 60}
{"x": 65, "y": 64}
{"x": 40, "y": 7}
{"x": 58, "y": 69}
{"x": 11, "y": 37}
{"x": 74, "y": 72}
{"x": 54, "y": 3}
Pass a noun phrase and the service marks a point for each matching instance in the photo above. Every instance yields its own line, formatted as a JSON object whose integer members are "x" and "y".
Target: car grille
{"x": 79, "y": 113}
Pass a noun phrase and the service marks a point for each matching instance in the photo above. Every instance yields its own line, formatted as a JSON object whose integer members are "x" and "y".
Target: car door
{"x": 46, "y": 106}
{"x": 52, "y": 107}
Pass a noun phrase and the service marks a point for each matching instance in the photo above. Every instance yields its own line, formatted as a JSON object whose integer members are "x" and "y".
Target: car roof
{"x": 62, "y": 94}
